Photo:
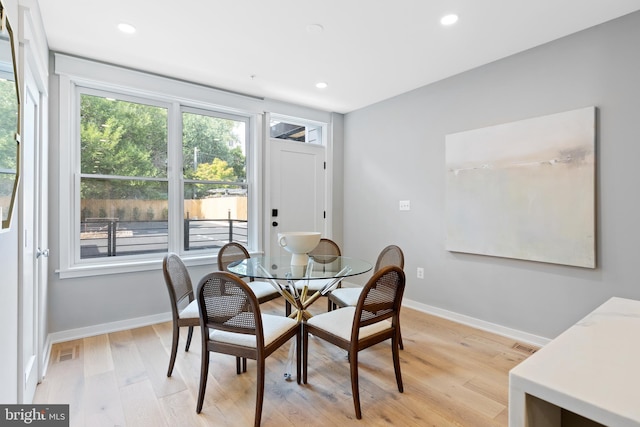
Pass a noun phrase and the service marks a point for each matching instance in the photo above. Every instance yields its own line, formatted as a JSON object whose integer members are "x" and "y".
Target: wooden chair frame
{"x": 239, "y": 253}
{"x": 178, "y": 281}
{"x": 232, "y": 286}
{"x": 325, "y": 247}
{"x": 390, "y": 255}
{"x": 379, "y": 301}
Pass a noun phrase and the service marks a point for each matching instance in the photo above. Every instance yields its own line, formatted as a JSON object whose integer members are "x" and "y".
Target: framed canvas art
{"x": 524, "y": 189}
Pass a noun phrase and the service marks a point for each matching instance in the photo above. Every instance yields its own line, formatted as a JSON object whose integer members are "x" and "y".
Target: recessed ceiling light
{"x": 449, "y": 19}
{"x": 126, "y": 28}
{"x": 322, "y": 85}
{"x": 315, "y": 28}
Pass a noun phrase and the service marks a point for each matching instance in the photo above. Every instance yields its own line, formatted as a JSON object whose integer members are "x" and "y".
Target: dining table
{"x": 284, "y": 276}
{"x": 279, "y": 271}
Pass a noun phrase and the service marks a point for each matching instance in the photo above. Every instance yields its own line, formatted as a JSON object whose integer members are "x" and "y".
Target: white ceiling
{"x": 369, "y": 50}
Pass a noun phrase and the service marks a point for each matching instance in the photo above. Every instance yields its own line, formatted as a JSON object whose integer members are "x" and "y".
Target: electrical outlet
{"x": 405, "y": 205}
{"x": 420, "y": 273}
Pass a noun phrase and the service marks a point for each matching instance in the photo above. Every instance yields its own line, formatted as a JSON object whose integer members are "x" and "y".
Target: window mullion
{"x": 176, "y": 185}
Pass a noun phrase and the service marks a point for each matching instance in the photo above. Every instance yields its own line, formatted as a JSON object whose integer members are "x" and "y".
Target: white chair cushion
{"x": 261, "y": 289}
{"x": 273, "y": 326}
{"x": 349, "y": 296}
{"x": 314, "y": 284}
{"x": 339, "y": 322}
{"x": 191, "y": 311}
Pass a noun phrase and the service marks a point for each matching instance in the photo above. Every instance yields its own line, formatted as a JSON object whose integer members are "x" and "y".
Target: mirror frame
{"x": 5, "y": 26}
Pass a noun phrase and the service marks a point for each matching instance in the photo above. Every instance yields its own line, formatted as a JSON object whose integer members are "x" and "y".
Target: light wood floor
{"x": 453, "y": 375}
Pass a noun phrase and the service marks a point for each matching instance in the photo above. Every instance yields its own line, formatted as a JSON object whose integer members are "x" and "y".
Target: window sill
{"x": 130, "y": 266}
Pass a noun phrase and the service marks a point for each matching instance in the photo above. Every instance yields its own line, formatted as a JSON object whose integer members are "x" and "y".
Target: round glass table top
{"x": 322, "y": 267}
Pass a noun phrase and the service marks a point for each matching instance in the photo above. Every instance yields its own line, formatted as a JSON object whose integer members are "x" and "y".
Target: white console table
{"x": 592, "y": 369}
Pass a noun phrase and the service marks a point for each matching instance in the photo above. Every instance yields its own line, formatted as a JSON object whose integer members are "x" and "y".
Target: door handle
{"x": 274, "y": 223}
{"x": 44, "y": 253}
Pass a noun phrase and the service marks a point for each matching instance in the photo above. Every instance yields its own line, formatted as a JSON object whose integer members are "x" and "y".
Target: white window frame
{"x": 248, "y": 151}
{"x": 75, "y": 75}
{"x": 75, "y": 212}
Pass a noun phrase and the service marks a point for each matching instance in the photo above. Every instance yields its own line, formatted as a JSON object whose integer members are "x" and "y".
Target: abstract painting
{"x": 524, "y": 189}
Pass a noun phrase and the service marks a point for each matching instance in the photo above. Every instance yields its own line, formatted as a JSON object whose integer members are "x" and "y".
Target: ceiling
{"x": 366, "y": 50}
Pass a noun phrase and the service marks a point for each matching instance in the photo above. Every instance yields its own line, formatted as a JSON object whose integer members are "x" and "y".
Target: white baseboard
{"x": 104, "y": 328}
{"x": 520, "y": 336}
{"x": 515, "y": 334}
{"x": 121, "y": 325}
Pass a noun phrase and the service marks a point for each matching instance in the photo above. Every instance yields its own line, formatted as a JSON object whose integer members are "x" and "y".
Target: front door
{"x": 297, "y": 189}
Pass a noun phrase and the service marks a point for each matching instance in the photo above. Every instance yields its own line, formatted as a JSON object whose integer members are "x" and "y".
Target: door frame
{"x": 267, "y": 170}
{"x": 34, "y": 83}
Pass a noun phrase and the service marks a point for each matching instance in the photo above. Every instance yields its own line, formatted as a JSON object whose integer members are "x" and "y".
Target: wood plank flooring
{"x": 453, "y": 375}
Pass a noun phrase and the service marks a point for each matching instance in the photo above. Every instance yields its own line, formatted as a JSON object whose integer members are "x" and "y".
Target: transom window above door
{"x": 291, "y": 131}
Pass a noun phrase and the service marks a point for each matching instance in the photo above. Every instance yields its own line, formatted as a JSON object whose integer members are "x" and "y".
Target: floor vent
{"x": 524, "y": 348}
{"x": 69, "y": 353}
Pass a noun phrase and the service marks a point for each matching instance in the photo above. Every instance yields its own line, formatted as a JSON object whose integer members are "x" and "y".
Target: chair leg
{"x": 238, "y": 366}
{"x": 259, "y": 391}
{"x": 355, "y": 389}
{"x": 189, "y": 335}
{"x": 287, "y": 308}
{"x": 396, "y": 360}
{"x": 204, "y": 373}
{"x": 400, "y": 336}
{"x": 174, "y": 347}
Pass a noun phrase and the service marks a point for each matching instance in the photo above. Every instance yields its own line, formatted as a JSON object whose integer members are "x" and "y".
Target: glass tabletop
{"x": 324, "y": 267}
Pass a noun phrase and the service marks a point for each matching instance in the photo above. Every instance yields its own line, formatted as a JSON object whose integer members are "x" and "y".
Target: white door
{"x": 297, "y": 189}
{"x": 32, "y": 273}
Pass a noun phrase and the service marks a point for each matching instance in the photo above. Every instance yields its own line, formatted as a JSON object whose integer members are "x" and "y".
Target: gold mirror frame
{"x": 5, "y": 28}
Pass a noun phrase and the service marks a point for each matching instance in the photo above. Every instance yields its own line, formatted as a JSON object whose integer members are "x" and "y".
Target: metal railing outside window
{"x": 109, "y": 237}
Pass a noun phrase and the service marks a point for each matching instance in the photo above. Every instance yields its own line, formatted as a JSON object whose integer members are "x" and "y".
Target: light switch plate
{"x": 405, "y": 205}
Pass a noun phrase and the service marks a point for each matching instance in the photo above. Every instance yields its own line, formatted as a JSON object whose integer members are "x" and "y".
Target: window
{"x": 123, "y": 181}
{"x": 8, "y": 128}
{"x": 215, "y": 180}
{"x": 125, "y": 184}
{"x": 149, "y": 164}
{"x": 300, "y": 132}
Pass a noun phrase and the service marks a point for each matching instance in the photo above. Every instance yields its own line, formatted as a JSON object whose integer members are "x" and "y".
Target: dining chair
{"x": 323, "y": 253}
{"x": 232, "y": 324}
{"x": 372, "y": 320}
{"x": 344, "y": 297}
{"x": 184, "y": 307}
{"x": 232, "y": 252}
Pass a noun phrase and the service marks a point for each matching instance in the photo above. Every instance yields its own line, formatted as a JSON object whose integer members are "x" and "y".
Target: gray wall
{"x": 395, "y": 150}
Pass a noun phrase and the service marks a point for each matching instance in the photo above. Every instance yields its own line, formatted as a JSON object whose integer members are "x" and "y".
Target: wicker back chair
{"x": 184, "y": 308}
{"x": 374, "y": 319}
{"x": 232, "y": 252}
{"x": 344, "y": 297}
{"x": 232, "y": 323}
{"x": 324, "y": 253}
{"x": 325, "y": 249}
{"x": 391, "y": 255}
